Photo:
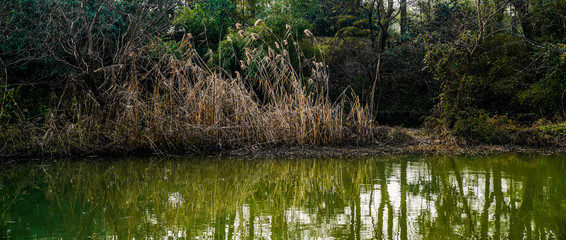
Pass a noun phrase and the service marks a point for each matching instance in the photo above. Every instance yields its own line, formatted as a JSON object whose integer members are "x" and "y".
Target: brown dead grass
{"x": 173, "y": 103}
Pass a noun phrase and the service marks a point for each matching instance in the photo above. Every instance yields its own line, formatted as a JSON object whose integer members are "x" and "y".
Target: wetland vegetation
{"x": 86, "y": 77}
{"x": 313, "y": 96}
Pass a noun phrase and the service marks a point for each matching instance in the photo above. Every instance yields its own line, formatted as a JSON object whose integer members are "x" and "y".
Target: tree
{"x": 541, "y": 19}
{"x": 455, "y": 55}
{"x": 207, "y": 21}
{"x": 385, "y": 13}
{"x": 92, "y": 38}
{"x": 81, "y": 42}
{"x": 21, "y": 35}
{"x": 403, "y": 17}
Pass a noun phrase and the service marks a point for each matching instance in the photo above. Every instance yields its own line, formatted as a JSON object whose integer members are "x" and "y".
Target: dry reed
{"x": 173, "y": 103}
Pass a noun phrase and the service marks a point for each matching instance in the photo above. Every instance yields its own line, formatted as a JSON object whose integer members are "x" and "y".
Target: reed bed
{"x": 169, "y": 100}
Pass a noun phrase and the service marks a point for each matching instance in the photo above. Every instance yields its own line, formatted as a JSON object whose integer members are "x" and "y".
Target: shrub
{"x": 8, "y": 104}
{"x": 557, "y": 130}
{"x": 534, "y": 138}
{"x": 482, "y": 127}
{"x": 208, "y": 22}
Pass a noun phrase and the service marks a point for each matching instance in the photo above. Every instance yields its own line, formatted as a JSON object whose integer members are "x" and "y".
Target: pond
{"x": 510, "y": 196}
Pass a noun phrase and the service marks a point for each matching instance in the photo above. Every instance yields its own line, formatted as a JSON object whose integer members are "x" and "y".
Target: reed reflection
{"x": 498, "y": 197}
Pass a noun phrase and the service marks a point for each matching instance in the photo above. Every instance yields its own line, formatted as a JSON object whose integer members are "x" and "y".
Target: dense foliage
{"x": 459, "y": 66}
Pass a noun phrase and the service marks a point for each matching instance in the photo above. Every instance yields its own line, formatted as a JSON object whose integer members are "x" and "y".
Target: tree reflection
{"x": 403, "y": 218}
{"x": 498, "y": 197}
{"x": 487, "y": 204}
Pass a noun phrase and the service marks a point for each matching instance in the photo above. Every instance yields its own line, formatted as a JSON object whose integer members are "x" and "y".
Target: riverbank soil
{"x": 385, "y": 141}
{"x": 398, "y": 141}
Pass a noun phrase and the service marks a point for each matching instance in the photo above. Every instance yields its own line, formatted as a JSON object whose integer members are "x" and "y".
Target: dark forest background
{"x": 472, "y": 68}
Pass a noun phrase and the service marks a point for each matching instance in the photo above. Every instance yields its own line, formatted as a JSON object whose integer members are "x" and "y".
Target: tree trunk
{"x": 522, "y": 8}
{"x": 383, "y": 37}
{"x": 375, "y": 81}
{"x": 403, "y": 17}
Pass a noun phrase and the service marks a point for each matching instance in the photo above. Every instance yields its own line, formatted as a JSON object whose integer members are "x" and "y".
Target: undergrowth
{"x": 166, "y": 99}
{"x": 480, "y": 127}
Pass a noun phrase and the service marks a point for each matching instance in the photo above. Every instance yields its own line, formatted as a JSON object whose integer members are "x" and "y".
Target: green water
{"x": 496, "y": 197}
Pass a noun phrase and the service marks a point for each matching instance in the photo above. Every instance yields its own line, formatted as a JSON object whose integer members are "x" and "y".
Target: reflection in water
{"x": 498, "y": 197}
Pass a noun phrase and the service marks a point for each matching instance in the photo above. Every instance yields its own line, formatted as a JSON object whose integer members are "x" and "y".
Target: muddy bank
{"x": 396, "y": 141}
{"x": 386, "y": 141}
{"x": 356, "y": 151}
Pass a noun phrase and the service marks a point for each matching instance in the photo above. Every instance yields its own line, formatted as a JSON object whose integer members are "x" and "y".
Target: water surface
{"x": 496, "y": 197}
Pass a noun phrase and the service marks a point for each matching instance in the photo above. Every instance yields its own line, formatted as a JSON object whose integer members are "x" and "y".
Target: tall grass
{"x": 169, "y": 100}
